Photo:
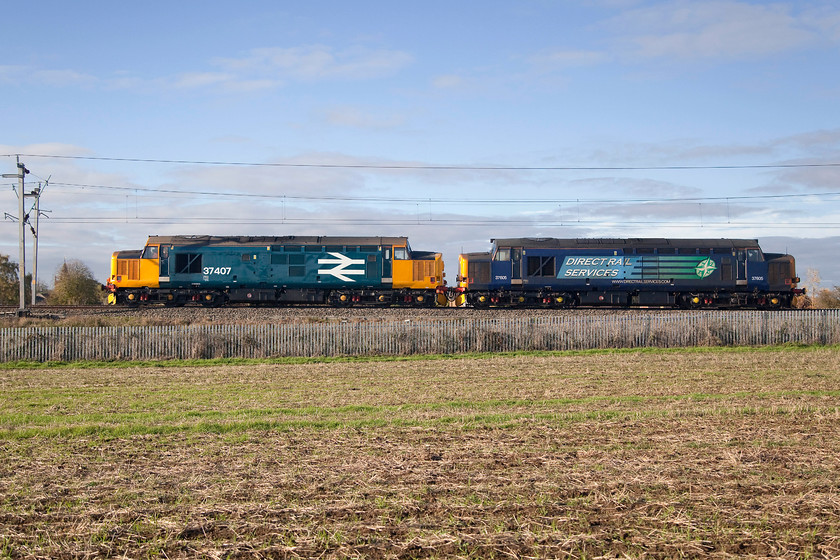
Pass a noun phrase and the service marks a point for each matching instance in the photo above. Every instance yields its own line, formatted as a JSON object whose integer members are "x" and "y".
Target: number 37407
{"x": 222, "y": 270}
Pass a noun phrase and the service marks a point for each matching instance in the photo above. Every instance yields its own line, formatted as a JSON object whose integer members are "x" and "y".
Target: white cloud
{"x": 47, "y": 77}
{"x": 317, "y": 62}
{"x": 354, "y": 117}
{"x": 719, "y": 29}
{"x": 563, "y": 58}
{"x": 259, "y": 69}
{"x": 47, "y": 148}
{"x": 202, "y": 79}
{"x": 12, "y": 73}
{"x": 61, "y": 78}
{"x": 448, "y": 81}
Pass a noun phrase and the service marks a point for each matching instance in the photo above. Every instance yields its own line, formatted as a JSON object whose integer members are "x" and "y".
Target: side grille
{"x": 479, "y": 272}
{"x": 423, "y": 269}
{"x": 779, "y": 272}
{"x": 129, "y": 268}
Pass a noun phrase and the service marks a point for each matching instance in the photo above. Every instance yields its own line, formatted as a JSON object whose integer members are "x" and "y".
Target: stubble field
{"x": 708, "y": 453}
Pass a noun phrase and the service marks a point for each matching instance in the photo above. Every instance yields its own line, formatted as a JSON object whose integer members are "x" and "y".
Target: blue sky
{"x": 451, "y": 123}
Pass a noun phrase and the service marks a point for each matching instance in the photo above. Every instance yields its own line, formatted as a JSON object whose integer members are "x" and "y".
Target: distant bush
{"x": 76, "y": 285}
{"x": 826, "y": 299}
{"x": 9, "y": 284}
{"x": 817, "y": 297}
{"x": 8, "y": 281}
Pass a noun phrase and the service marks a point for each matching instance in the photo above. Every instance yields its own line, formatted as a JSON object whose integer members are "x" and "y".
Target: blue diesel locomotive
{"x": 216, "y": 270}
{"x": 685, "y": 273}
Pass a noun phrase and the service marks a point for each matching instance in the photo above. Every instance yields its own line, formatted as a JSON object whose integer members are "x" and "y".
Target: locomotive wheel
{"x": 341, "y": 299}
{"x": 211, "y": 300}
{"x": 132, "y": 299}
{"x": 565, "y": 300}
{"x": 383, "y": 299}
{"x": 424, "y": 300}
{"x": 173, "y": 301}
{"x": 481, "y": 300}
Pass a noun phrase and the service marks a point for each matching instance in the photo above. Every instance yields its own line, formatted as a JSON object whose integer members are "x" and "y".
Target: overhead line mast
{"x": 23, "y": 219}
{"x": 22, "y": 172}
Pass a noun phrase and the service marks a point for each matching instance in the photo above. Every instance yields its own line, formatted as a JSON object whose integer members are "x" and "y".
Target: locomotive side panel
{"x": 293, "y": 266}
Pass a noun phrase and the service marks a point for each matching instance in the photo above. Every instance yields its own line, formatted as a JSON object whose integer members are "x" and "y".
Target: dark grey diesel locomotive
{"x": 685, "y": 273}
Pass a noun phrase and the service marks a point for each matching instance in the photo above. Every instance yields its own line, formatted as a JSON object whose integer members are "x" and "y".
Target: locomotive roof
{"x": 244, "y": 240}
{"x": 636, "y": 242}
{"x": 130, "y": 254}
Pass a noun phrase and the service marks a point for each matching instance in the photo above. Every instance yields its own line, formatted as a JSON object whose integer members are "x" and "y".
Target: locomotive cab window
{"x": 150, "y": 252}
{"x": 502, "y": 254}
{"x": 400, "y": 253}
{"x": 754, "y": 255}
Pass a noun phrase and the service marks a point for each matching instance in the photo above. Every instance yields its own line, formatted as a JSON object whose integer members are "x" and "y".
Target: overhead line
{"x": 431, "y": 167}
{"x": 438, "y": 200}
{"x": 408, "y": 221}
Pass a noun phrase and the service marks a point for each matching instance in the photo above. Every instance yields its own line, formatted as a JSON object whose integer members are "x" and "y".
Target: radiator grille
{"x": 479, "y": 272}
{"x": 423, "y": 269}
{"x": 779, "y": 272}
{"x": 129, "y": 268}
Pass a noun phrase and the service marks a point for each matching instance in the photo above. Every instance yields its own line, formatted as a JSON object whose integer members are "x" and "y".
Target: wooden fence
{"x": 438, "y": 336}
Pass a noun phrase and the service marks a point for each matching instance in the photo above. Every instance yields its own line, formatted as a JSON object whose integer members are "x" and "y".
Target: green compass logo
{"x": 705, "y": 268}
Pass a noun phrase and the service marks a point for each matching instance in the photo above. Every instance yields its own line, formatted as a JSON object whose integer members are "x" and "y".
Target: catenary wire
{"x": 429, "y": 167}
{"x": 439, "y": 200}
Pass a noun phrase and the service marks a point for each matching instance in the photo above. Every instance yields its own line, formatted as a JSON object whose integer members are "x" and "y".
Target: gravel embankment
{"x": 267, "y": 315}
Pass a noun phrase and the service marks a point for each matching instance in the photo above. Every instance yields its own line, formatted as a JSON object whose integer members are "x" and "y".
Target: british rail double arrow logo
{"x": 341, "y": 271}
